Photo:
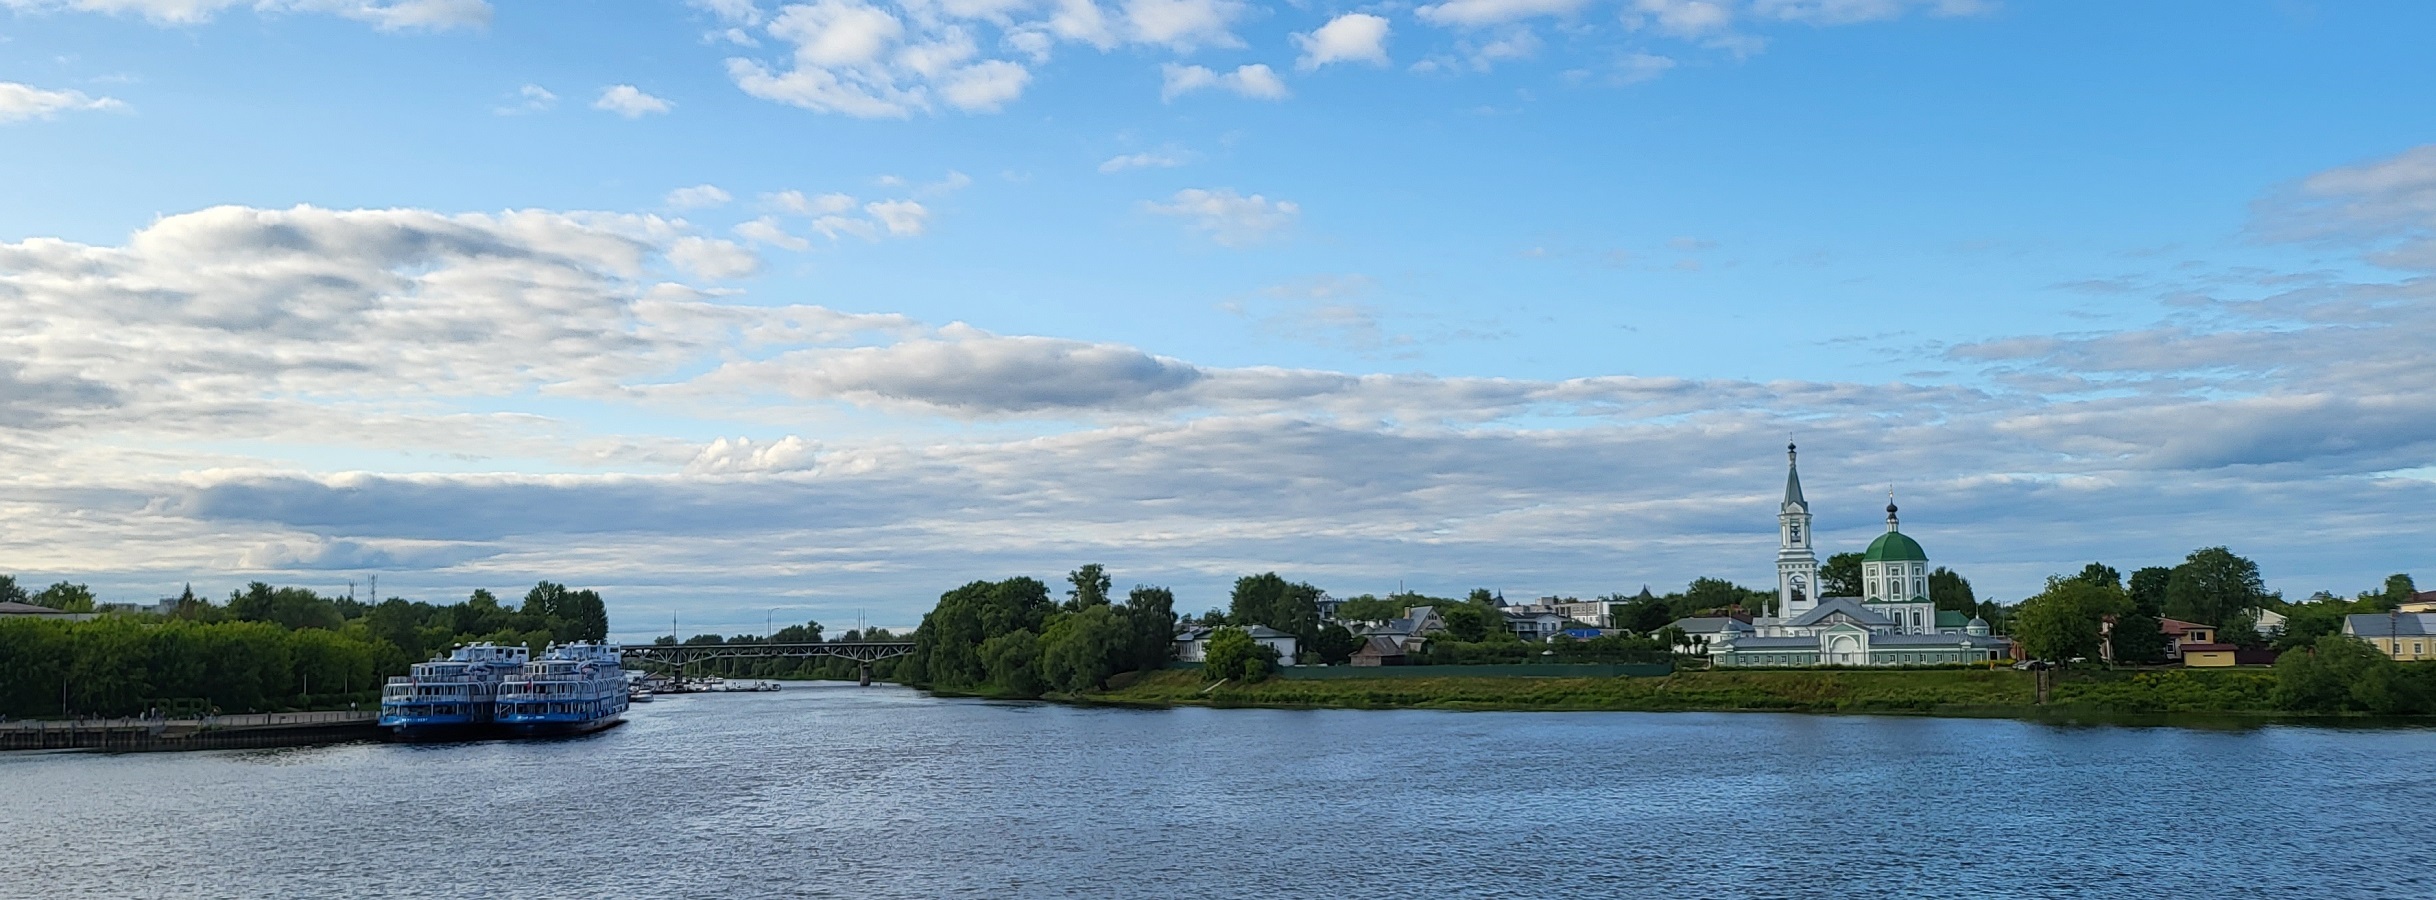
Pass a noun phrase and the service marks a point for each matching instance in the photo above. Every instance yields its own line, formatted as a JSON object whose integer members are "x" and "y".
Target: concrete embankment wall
{"x": 215, "y": 733}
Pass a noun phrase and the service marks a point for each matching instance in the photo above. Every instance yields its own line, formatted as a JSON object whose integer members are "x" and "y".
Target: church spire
{"x": 1890, "y": 510}
{"x": 1793, "y": 480}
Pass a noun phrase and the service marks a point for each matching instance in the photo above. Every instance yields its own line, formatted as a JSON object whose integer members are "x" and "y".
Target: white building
{"x": 1193, "y": 643}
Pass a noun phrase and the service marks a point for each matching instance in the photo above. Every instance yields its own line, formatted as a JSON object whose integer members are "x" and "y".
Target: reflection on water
{"x": 881, "y": 792}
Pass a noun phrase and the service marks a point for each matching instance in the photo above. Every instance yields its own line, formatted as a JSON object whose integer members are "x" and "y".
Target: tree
{"x": 2101, "y": 574}
{"x": 1715, "y": 593}
{"x": 1267, "y": 599}
{"x": 2211, "y": 585}
{"x": 1091, "y": 586}
{"x": 1646, "y": 615}
{"x": 2339, "y": 674}
{"x": 65, "y": 597}
{"x": 947, "y": 646}
{"x": 2062, "y": 622}
{"x": 1081, "y": 649}
{"x": 2137, "y": 639}
{"x": 1152, "y": 613}
{"x": 9, "y": 591}
{"x": 1366, "y": 608}
{"x": 1012, "y": 661}
{"x": 1335, "y": 644}
{"x": 1473, "y": 622}
{"x": 1841, "y": 576}
{"x": 1952, "y": 591}
{"x": 2148, "y": 589}
{"x": 2398, "y": 590}
{"x": 2241, "y": 630}
{"x": 1233, "y": 655}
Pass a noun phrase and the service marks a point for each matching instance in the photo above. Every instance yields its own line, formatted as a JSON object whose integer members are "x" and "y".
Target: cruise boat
{"x": 451, "y": 696}
{"x": 571, "y": 689}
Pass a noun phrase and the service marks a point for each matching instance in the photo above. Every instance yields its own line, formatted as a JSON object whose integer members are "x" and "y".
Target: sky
{"x": 744, "y": 311}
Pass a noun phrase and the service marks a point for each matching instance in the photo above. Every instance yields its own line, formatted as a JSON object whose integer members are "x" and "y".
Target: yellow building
{"x": 2401, "y": 635}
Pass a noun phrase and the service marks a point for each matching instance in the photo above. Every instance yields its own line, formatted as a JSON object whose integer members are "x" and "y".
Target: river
{"x": 837, "y": 791}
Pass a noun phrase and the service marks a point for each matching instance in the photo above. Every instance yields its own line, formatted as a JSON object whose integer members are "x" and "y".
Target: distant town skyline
{"x": 728, "y": 307}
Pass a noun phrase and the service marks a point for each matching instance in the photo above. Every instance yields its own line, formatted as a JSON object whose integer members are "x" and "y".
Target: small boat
{"x": 638, "y": 695}
{"x": 571, "y": 689}
{"x": 453, "y": 696}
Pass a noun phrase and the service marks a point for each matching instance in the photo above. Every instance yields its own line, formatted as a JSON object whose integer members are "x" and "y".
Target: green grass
{"x": 1919, "y": 691}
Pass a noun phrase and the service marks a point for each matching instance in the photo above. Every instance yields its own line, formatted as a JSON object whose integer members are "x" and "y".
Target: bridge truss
{"x": 682, "y": 655}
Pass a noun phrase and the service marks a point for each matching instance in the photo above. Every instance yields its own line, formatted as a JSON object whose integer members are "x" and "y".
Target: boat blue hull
{"x": 558, "y": 727}
{"x": 438, "y": 731}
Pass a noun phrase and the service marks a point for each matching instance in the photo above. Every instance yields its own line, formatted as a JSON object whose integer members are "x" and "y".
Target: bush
{"x": 1233, "y": 655}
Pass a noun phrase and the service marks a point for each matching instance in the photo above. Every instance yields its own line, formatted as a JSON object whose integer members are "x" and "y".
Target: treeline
{"x": 2212, "y": 586}
{"x": 265, "y": 648}
{"x": 1010, "y": 638}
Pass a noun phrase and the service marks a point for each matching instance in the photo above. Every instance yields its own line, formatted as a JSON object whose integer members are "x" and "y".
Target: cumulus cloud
{"x": 1227, "y": 217}
{"x": 386, "y": 15}
{"x": 1256, "y": 81}
{"x": 1353, "y": 37}
{"x": 630, "y": 101}
{"x": 20, "y": 102}
{"x": 700, "y": 196}
{"x": 1163, "y": 159}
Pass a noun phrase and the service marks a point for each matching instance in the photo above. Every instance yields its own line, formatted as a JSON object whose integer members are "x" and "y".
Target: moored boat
{"x": 571, "y": 689}
{"x": 453, "y": 696}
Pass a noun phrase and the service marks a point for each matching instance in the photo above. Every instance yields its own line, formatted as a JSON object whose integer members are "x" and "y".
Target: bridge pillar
{"x": 866, "y": 674}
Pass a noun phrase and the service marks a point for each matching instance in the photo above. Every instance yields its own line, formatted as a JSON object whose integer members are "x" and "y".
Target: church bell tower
{"x": 1797, "y": 568}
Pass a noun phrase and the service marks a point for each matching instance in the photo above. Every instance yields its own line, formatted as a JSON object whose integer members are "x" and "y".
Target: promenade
{"x": 201, "y": 733}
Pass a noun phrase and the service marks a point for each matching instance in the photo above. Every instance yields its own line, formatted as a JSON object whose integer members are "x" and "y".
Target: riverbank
{"x": 1954, "y": 692}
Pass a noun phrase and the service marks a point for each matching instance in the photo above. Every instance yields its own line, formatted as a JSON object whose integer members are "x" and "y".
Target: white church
{"x": 1893, "y": 623}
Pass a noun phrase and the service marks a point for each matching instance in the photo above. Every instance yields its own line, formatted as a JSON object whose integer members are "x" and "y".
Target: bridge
{"x": 679, "y": 656}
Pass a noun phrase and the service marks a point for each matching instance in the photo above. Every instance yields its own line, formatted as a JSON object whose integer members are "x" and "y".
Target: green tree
{"x": 1081, "y": 649}
{"x": 1952, "y": 591}
{"x": 1716, "y": 594}
{"x": 1335, "y": 645}
{"x": 2148, "y": 589}
{"x": 1473, "y": 622}
{"x": 10, "y": 592}
{"x": 2138, "y": 639}
{"x": 2101, "y": 574}
{"x": 1012, "y": 661}
{"x": 2241, "y": 630}
{"x": 1841, "y": 576}
{"x": 2211, "y": 585}
{"x": 1233, "y": 655}
{"x": 947, "y": 646}
{"x": 2340, "y": 674}
{"x": 75, "y": 598}
{"x": 2398, "y": 590}
{"x": 1268, "y": 599}
{"x": 1366, "y": 608}
{"x": 1091, "y": 587}
{"x": 1646, "y": 614}
{"x": 1152, "y": 613}
{"x": 2062, "y": 622}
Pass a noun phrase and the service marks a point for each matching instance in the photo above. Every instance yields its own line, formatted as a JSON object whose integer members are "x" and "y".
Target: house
{"x": 2420, "y": 602}
{"x": 1192, "y": 643}
{"x": 1535, "y": 626}
{"x": 2401, "y": 635}
{"x": 1593, "y": 613}
{"x": 1701, "y": 631}
{"x": 1842, "y": 631}
{"x": 1412, "y": 630}
{"x": 1379, "y": 650}
{"x": 2179, "y": 634}
{"x": 2267, "y": 622}
{"x": 13, "y": 608}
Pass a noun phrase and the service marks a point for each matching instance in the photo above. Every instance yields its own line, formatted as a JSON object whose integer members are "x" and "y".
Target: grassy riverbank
{"x": 1968, "y": 692}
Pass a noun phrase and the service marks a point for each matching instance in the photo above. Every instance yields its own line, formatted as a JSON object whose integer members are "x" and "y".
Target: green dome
{"x": 1894, "y": 547}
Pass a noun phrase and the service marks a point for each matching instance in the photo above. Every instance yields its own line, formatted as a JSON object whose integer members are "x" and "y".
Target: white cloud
{"x": 386, "y": 15}
{"x": 1231, "y": 219}
{"x": 1184, "y": 24}
{"x": 903, "y": 218}
{"x": 1255, "y": 81}
{"x": 1687, "y": 18}
{"x": 629, "y": 101}
{"x": 1476, "y": 13}
{"x": 1353, "y": 37}
{"x": 712, "y": 258}
{"x": 766, "y": 230}
{"x": 531, "y": 98}
{"x": 1163, "y": 159}
{"x": 1847, "y": 12}
{"x": 700, "y": 196}
{"x": 742, "y": 456}
{"x": 20, "y": 102}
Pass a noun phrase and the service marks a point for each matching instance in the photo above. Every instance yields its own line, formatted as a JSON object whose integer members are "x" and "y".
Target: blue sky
{"x": 829, "y": 306}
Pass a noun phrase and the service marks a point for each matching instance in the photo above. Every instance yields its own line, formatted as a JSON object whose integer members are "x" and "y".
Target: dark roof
{"x": 14, "y": 608}
{"x": 1793, "y": 479}
{"x": 2178, "y": 626}
{"x": 1380, "y": 645}
{"x": 2206, "y": 648}
{"x": 1843, "y": 605}
{"x": 1710, "y": 624}
{"x": 2383, "y": 624}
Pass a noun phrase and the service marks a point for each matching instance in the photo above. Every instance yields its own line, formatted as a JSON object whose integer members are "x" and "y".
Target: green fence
{"x": 1525, "y": 670}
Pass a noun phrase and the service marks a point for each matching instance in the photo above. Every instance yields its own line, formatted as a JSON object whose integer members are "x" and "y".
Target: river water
{"x": 837, "y": 791}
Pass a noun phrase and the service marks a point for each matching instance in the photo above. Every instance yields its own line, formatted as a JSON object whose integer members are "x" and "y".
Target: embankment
{"x": 216, "y": 733}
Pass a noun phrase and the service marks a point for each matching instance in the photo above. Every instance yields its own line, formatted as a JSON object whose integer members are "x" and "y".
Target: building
{"x": 2401, "y": 635}
{"x": 2214, "y": 656}
{"x": 1594, "y": 613}
{"x": 1193, "y": 642}
{"x": 2267, "y": 622}
{"x": 1413, "y": 630}
{"x": 12, "y": 608}
{"x": 2180, "y": 634}
{"x": 1703, "y": 631}
{"x": 1895, "y": 621}
{"x": 1535, "y": 626}
{"x": 1379, "y": 650}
